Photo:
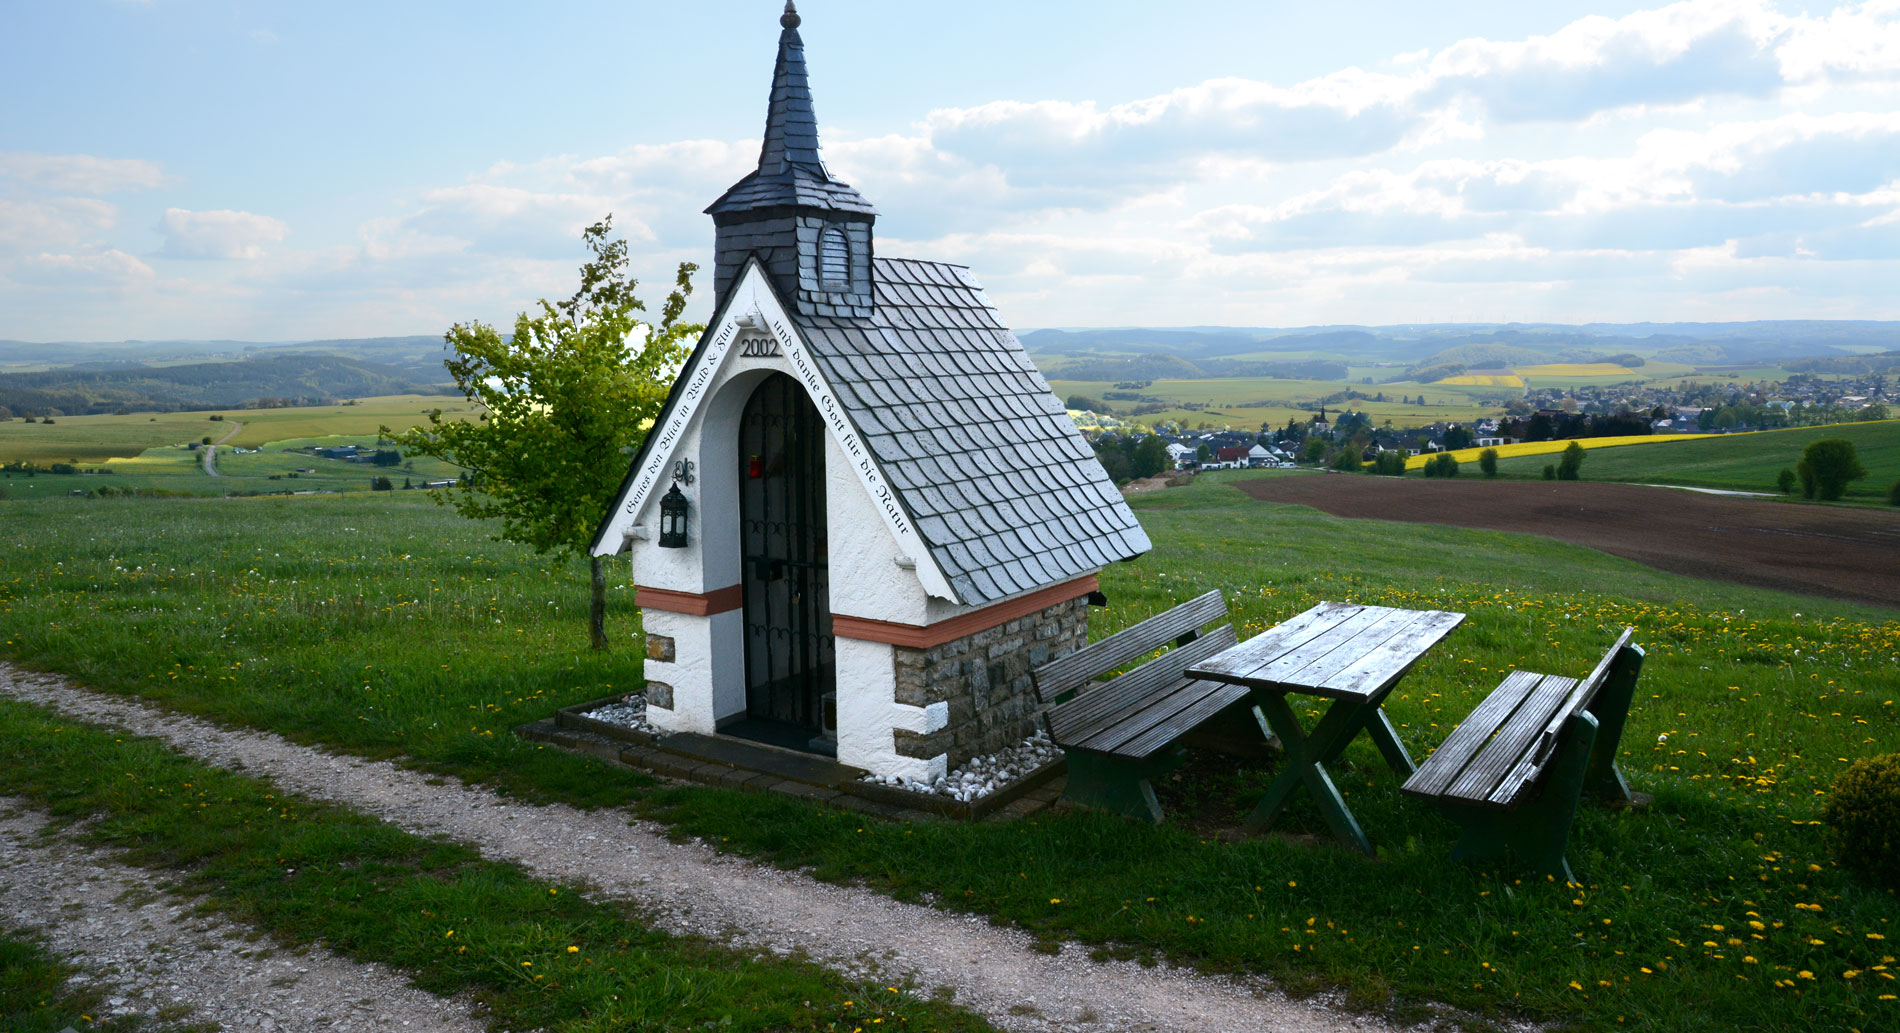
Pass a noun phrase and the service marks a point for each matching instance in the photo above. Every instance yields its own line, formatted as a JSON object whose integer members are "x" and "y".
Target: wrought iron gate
{"x": 783, "y": 553}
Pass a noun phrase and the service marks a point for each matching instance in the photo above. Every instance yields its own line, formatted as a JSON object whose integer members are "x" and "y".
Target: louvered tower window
{"x": 834, "y": 260}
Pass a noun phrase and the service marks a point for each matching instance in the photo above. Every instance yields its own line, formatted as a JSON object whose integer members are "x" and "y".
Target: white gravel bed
{"x": 996, "y": 972}
{"x": 630, "y": 712}
{"x": 161, "y": 957}
{"x": 981, "y": 776}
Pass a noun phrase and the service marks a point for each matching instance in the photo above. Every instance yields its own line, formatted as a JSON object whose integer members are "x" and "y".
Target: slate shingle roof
{"x": 790, "y": 172}
{"x": 996, "y": 478}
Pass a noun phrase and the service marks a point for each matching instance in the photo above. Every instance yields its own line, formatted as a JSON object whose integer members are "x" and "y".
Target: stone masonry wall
{"x": 985, "y": 679}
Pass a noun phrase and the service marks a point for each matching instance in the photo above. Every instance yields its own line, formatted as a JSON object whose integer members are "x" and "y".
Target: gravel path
{"x": 159, "y": 956}
{"x": 993, "y": 971}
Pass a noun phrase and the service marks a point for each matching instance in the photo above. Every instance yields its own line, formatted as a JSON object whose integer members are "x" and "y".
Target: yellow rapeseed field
{"x": 1576, "y": 369}
{"x": 1483, "y": 380}
{"x": 1538, "y": 448}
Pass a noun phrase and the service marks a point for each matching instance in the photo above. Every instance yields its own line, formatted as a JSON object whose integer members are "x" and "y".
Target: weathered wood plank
{"x": 1076, "y": 670}
{"x": 1088, "y": 713}
{"x": 1483, "y": 775}
{"x": 1291, "y": 666}
{"x": 1387, "y": 623}
{"x": 1186, "y": 719}
{"x": 1449, "y": 761}
{"x": 1381, "y": 668}
{"x": 1274, "y": 642}
{"x": 1158, "y": 713}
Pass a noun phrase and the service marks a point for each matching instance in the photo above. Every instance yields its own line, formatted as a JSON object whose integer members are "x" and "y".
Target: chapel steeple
{"x": 812, "y": 232}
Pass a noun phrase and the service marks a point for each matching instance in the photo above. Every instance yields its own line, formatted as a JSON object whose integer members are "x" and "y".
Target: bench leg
{"x": 1611, "y": 709}
{"x": 1304, "y": 755}
{"x": 1118, "y": 785}
{"x": 1537, "y": 831}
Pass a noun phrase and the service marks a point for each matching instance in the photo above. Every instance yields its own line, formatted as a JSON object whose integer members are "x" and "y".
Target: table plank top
{"x": 1338, "y": 650}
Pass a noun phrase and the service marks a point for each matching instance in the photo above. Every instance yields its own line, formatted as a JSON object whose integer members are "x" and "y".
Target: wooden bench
{"x": 1119, "y": 735}
{"x": 1513, "y": 773}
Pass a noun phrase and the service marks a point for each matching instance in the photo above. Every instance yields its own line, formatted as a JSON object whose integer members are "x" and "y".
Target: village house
{"x": 861, "y": 517}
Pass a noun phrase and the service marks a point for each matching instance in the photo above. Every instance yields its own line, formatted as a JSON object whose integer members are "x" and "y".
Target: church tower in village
{"x": 811, "y": 232}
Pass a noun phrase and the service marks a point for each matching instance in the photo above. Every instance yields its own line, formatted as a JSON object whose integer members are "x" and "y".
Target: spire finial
{"x": 790, "y": 18}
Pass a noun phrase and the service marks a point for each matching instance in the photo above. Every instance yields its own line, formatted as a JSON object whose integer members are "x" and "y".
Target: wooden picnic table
{"x": 1348, "y": 653}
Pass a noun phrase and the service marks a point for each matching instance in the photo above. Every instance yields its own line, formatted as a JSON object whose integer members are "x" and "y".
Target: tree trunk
{"x": 597, "y": 611}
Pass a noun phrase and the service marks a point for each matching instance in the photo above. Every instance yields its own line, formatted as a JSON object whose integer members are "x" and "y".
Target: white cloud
{"x": 221, "y": 233}
{"x": 53, "y": 222}
{"x": 78, "y": 173}
{"x": 111, "y": 268}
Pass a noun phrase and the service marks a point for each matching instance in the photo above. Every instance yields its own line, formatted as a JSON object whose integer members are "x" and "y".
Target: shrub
{"x": 1550, "y": 471}
{"x": 1441, "y": 465}
{"x": 1833, "y": 463}
{"x": 1893, "y": 494}
{"x": 1391, "y": 462}
{"x": 1784, "y": 481}
{"x": 1488, "y": 462}
{"x": 1863, "y": 812}
{"x": 1349, "y": 459}
{"x": 1806, "y": 473}
{"x": 1572, "y": 462}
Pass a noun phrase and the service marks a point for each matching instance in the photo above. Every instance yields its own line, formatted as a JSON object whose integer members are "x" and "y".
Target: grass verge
{"x": 391, "y": 629}
{"x": 536, "y": 955}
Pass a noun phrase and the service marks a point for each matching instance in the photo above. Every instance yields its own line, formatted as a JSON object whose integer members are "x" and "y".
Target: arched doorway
{"x": 783, "y": 549}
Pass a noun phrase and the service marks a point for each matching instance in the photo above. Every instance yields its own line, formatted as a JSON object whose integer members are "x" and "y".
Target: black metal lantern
{"x": 673, "y": 519}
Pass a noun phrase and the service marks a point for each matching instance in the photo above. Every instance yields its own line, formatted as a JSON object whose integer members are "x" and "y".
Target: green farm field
{"x": 92, "y": 439}
{"x": 1224, "y": 399}
{"x": 385, "y": 626}
{"x": 1735, "y": 462}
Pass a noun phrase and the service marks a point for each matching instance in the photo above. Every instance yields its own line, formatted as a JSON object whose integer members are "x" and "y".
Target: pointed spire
{"x": 791, "y": 127}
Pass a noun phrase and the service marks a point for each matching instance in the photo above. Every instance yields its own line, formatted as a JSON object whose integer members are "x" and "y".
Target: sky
{"x": 238, "y": 169}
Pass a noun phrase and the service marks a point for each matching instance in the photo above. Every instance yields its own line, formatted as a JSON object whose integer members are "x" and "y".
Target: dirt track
{"x": 1837, "y": 552}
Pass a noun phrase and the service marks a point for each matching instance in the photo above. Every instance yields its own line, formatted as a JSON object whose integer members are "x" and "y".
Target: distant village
{"x": 1322, "y": 435}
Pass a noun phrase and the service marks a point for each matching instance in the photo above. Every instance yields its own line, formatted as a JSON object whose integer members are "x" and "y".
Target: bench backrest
{"x": 1058, "y": 678}
{"x": 1112, "y": 700}
{"x": 1579, "y": 698}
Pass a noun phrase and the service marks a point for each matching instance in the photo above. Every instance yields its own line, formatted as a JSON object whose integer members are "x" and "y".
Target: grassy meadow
{"x": 152, "y": 453}
{"x": 1735, "y": 462}
{"x": 388, "y": 627}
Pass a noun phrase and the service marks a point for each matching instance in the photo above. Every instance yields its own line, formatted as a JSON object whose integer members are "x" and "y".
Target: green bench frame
{"x": 1515, "y": 771}
{"x": 1119, "y": 736}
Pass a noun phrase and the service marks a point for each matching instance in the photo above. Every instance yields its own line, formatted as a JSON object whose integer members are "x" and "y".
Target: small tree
{"x": 1488, "y": 462}
{"x": 1458, "y": 437}
{"x": 566, "y": 400}
{"x": 1313, "y": 451}
{"x": 1572, "y": 462}
{"x": 1893, "y": 494}
{"x": 1151, "y": 456}
{"x": 1349, "y": 459}
{"x": 1441, "y": 465}
{"x": 1550, "y": 471}
{"x": 1391, "y": 462}
{"x": 1833, "y": 463}
{"x": 1784, "y": 481}
{"x": 1806, "y": 473}
{"x": 1203, "y": 453}
{"x": 380, "y": 484}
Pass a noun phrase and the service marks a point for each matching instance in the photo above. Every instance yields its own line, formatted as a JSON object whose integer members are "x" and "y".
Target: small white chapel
{"x": 862, "y": 518}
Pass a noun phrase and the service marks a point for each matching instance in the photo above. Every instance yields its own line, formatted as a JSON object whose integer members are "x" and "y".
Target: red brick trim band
{"x": 924, "y": 636}
{"x": 697, "y": 604}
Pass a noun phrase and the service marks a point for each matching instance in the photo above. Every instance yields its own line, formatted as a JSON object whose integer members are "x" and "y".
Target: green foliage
{"x": 1441, "y": 465}
{"x": 1151, "y": 456}
{"x": 1863, "y": 812}
{"x": 1893, "y": 494}
{"x": 1833, "y": 463}
{"x": 1313, "y": 451}
{"x": 1459, "y": 437}
{"x": 565, "y": 400}
{"x": 1784, "y": 481}
{"x": 1391, "y": 462}
{"x": 1348, "y": 458}
{"x": 1488, "y": 462}
{"x": 1084, "y": 402}
{"x": 1550, "y": 471}
{"x": 1569, "y": 467}
{"x": 1806, "y": 473}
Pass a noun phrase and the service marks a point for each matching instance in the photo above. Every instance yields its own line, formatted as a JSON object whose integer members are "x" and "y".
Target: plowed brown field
{"x": 1838, "y": 552}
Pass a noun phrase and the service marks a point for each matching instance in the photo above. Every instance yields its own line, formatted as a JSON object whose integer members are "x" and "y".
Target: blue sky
{"x": 278, "y": 171}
